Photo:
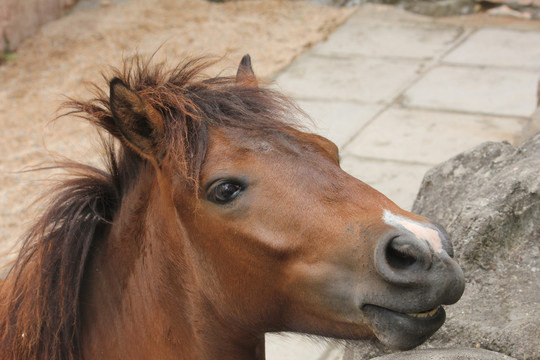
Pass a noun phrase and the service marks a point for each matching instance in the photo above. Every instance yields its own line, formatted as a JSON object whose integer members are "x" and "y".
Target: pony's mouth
{"x": 425, "y": 314}
{"x": 404, "y": 330}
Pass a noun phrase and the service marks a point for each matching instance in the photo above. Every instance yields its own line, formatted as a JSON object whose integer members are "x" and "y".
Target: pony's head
{"x": 284, "y": 239}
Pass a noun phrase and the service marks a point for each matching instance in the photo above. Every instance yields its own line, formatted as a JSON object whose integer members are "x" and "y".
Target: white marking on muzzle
{"x": 421, "y": 231}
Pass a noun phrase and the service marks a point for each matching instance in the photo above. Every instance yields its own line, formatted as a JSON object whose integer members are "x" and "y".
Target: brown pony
{"x": 217, "y": 220}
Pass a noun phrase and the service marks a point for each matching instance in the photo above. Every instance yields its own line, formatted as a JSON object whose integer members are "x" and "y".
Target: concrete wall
{"x": 22, "y": 18}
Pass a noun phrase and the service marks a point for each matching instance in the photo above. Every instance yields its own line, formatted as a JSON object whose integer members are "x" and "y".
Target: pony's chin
{"x": 403, "y": 331}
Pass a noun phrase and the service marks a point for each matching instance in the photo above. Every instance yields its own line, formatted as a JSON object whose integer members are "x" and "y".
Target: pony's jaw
{"x": 350, "y": 306}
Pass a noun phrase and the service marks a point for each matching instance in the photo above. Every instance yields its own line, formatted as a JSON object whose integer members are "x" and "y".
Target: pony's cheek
{"x": 328, "y": 289}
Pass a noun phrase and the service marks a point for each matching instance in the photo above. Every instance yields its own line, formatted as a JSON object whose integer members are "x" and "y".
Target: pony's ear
{"x": 245, "y": 74}
{"x": 139, "y": 123}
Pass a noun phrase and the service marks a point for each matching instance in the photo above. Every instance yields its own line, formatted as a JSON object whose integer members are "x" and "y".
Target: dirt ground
{"x": 69, "y": 52}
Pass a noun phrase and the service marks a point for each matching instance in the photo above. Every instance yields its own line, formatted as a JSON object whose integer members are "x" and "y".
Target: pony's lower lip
{"x": 419, "y": 315}
{"x": 403, "y": 330}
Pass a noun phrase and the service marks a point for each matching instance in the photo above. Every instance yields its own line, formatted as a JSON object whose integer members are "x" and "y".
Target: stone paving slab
{"x": 387, "y": 39}
{"x": 499, "y": 47}
{"x": 498, "y": 91}
{"x": 286, "y": 346}
{"x": 428, "y": 137}
{"x": 360, "y": 79}
{"x": 392, "y": 178}
{"x": 339, "y": 121}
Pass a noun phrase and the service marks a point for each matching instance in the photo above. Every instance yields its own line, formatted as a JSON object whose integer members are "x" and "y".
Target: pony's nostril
{"x": 399, "y": 256}
{"x": 403, "y": 259}
{"x": 403, "y": 252}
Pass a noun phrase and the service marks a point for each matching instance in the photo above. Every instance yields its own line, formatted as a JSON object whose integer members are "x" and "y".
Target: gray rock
{"x": 446, "y": 354}
{"x": 489, "y": 201}
{"x": 435, "y": 8}
{"x": 439, "y": 8}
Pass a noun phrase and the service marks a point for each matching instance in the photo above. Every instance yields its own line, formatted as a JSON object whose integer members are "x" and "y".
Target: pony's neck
{"x": 141, "y": 299}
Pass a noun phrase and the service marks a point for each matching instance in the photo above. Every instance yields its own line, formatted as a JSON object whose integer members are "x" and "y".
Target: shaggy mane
{"x": 40, "y": 318}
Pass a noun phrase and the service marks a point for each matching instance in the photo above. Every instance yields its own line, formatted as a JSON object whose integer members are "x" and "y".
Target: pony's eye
{"x": 224, "y": 192}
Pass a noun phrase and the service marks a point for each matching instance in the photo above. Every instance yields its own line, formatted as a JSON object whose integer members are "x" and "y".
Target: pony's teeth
{"x": 425, "y": 314}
